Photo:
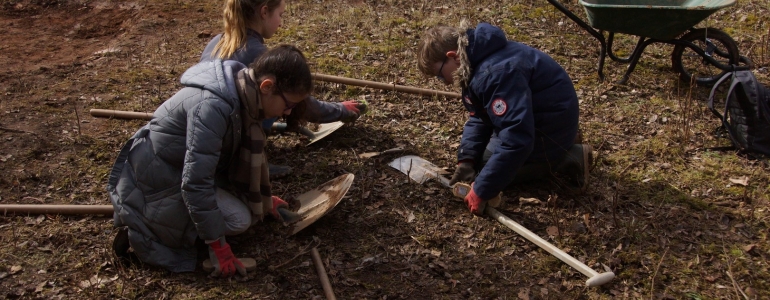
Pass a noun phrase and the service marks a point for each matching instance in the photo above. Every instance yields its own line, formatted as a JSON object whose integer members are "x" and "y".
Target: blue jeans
{"x": 267, "y": 124}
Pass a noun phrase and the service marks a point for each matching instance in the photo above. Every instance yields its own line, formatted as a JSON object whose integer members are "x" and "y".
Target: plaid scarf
{"x": 251, "y": 177}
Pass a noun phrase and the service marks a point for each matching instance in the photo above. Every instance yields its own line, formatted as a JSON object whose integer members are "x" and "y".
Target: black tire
{"x": 694, "y": 68}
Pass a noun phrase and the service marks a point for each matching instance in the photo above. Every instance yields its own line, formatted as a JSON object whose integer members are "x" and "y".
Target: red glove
{"x": 278, "y": 202}
{"x": 222, "y": 258}
{"x": 353, "y": 109}
{"x": 475, "y": 203}
{"x": 352, "y": 105}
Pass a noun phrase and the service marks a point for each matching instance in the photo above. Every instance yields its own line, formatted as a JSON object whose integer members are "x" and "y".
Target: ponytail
{"x": 237, "y": 17}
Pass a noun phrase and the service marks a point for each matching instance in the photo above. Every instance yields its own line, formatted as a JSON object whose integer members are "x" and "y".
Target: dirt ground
{"x": 671, "y": 218}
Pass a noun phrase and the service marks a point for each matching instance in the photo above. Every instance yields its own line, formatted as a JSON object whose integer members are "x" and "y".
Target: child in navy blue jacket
{"x": 523, "y": 110}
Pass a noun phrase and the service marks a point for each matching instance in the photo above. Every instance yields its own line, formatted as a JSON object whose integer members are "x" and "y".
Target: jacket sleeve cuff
{"x": 465, "y": 160}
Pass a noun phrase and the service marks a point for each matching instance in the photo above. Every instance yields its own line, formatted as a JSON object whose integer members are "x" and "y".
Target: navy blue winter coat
{"x": 529, "y": 99}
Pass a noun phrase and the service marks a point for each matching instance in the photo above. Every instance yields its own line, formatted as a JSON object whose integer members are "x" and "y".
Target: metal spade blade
{"x": 315, "y": 203}
{"x": 323, "y": 130}
{"x": 419, "y": 169}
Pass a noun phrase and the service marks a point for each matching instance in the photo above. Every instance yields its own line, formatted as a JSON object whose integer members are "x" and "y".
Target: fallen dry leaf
{"x": 743, "y": 180}
{"x": 750, "y": 248}
{"x": 751, "y": 292}
{"x": 16, "y": 269}
{"x": 368, "y": 154}
{"x": 552, "y": 231}
{"x": 587, "y": 222}
{"x": 524, "y": 294}
{"x": 96, "y": 281}
{"x": 529, "y": 201}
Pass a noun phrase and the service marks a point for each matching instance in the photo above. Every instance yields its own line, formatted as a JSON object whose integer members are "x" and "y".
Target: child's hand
{"x": 278, "y": 203}
{"x": 475, "y": 204}
{"x": 353, "y": 110}
{"x": 464, "y": 173}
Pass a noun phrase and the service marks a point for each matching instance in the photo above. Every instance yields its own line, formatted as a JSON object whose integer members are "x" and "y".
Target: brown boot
{"x": 577, "y": 164}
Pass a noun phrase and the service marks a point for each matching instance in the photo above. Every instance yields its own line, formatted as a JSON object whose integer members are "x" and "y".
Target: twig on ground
{"x": 617, "y": 195}
{"x": 300, "y": 253}
{"x": 77, "y": 115}
{"x": 17, "y": 130}
{"x": 735, "y": 284}
{"x": 652, "y": 283}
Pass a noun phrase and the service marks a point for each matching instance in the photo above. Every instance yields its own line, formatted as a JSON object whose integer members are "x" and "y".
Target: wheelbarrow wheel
{"x": 692, "y": 67}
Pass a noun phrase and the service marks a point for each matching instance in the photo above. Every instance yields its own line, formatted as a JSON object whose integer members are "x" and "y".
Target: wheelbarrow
{"x": 700, "y": 55}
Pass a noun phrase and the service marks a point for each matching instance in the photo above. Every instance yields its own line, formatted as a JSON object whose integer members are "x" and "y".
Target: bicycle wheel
{"x": 692, "y": 67}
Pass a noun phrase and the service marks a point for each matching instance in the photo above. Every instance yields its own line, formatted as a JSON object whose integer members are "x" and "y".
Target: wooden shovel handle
{"x": 383, "y": 86}
{"x": 594, "y": 278}
{"x": 319, "y": 266}
{"x": 120, "y": 114}
{"x": 61, "y": 209}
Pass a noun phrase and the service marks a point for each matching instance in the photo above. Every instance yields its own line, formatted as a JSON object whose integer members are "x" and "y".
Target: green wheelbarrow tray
{"x": 657, "y": 19}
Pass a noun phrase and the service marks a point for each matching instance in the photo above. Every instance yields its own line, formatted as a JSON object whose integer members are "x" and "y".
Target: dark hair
{"x": 288, "y": 65}
{"x": 292, "y": 75}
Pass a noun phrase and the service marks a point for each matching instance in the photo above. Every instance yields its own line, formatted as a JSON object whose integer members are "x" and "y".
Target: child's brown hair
{"x": 434, "y": 45}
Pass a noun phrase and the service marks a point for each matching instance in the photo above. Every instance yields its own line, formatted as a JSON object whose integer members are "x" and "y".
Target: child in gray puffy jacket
{"x": 198, "y": 169}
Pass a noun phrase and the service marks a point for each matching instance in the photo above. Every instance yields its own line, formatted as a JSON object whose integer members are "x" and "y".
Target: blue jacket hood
{"x": 483, "y": 41}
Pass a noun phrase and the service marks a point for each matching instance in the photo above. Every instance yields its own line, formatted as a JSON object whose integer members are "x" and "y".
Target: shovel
{"x": 315, "y": 203}
{"x": 323, "y": 130}
{"x": 421, "y": 170}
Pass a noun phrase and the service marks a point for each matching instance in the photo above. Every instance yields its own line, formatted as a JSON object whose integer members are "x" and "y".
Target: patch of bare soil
{"x": 671, "y": 218}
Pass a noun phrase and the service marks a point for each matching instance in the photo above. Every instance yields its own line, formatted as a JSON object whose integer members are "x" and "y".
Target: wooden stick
{"x": 383, "y": 86}
{"x": 120, "y": 114}
{"x": 319, "y": 266}
{"x": 56, "y": 209}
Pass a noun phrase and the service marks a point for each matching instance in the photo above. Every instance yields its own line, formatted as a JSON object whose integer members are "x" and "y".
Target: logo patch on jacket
{"x": 468, "y": 100}
{"x": 499, "y": 107}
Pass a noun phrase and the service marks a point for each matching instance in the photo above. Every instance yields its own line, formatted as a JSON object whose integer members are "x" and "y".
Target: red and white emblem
{"x": 468, "y": 100}
{"x": 499, "y": 107}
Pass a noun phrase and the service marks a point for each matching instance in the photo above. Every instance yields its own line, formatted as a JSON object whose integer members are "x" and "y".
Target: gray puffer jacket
{"x": 163, "y": 182}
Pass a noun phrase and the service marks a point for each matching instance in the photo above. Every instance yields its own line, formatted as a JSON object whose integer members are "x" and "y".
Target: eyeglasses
{"x": 439, "y": 76}
{"x": 289, "y": 105}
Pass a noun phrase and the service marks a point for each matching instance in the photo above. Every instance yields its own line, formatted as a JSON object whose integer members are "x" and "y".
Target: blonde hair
{"x": 434, "y": 45}
{"x": 238, "y": 16}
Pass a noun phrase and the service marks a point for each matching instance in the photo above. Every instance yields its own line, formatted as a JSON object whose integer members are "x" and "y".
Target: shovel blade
{"x": 317, "y": 202}
{"x": 324, "y": 130}
{"x": 419, "y": 169}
